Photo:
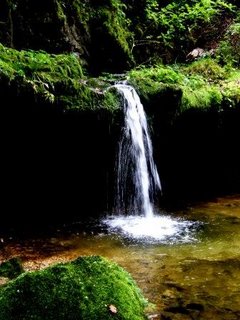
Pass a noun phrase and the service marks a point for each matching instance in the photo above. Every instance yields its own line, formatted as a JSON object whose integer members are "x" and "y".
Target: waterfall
{"x": 138, "y": 181}
{"x": 137, "y": 176}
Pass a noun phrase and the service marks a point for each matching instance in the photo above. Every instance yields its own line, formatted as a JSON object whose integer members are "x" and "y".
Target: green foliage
{"x": 83, "y": 289}
{"x": 180, "y": 17}
{"x": 173, "y": 28}
{"x": 83, "y": 12}
{"x": 229, "y": 48}
{"x": 230, "y": 89}
{"x": 60, "y": 12}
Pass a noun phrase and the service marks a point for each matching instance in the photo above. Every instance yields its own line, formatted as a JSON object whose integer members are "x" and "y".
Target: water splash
{"x": 137, "y": 176}
{"x": 156, "y": 229}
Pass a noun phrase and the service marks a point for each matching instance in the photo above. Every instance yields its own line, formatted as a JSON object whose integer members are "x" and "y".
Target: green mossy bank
{"x": 59, "y": 80}
{"x": 88, "y": 288}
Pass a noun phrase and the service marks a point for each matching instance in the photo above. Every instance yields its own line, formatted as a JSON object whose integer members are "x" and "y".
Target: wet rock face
{"x": 38, "y": 25}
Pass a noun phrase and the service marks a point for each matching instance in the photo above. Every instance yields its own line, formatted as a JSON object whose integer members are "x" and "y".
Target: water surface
{"x": 197, "y": 279}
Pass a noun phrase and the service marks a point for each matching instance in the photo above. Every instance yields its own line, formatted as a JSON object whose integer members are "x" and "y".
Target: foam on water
{"x": 155, "y": 229}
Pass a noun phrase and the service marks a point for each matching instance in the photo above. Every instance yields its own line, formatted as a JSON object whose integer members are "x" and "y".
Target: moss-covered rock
{"x": 87, "y": 288}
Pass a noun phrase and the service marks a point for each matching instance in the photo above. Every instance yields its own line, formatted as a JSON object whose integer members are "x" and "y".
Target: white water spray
{"x": 137, "y": 176}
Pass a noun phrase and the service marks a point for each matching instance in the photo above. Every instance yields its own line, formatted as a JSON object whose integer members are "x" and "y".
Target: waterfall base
{"x": 155, "y": 229}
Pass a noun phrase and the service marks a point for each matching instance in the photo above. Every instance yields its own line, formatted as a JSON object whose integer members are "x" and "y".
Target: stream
{"x": 195, "y": 279}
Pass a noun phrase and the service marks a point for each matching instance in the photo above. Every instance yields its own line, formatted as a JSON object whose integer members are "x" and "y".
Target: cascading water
{"x": 135, "y": 165}
{"x": 138, "y": 181}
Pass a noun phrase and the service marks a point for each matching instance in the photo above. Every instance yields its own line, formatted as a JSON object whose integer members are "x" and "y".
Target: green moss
{"x": 116, "y": 23}
{"x": 59, "y": 80}
{"x": 39, "y": 70}
{"x": 204, "y": 97}
{"x": 60, "y": 12}
{"x": 11, "y": 268}
{"x": 82, "y": 96}
{"x": 207, "y": 68}
{"x": 82, "y": 289}
{"x": 153, "y": 80}
{"x": 84, "y": 12}
{"x": 54, "y": 79}
{"x": 204, "y": 83}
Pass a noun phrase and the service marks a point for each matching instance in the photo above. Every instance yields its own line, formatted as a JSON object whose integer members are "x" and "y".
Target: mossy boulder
{"x": 87, "y": 288}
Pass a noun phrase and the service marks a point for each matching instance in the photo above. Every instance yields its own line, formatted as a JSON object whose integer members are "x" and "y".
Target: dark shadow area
{"x": 56, "y": 166}
{"x": 198, "y": 155}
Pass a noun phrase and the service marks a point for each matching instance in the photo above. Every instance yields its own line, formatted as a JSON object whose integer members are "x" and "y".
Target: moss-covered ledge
{"x": 59, "y": 80}
{"x": 54, "y": 80}
{"x": 88, "y": 288}
{"x": 203, "y": 84}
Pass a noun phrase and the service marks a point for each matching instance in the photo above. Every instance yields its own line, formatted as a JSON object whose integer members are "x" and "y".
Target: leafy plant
{"x": 229, "y": 48}
{"x": 173, "y": 28}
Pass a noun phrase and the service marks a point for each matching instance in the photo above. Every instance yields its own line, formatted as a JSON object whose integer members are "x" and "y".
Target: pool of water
{"x": 194, "y": 279}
